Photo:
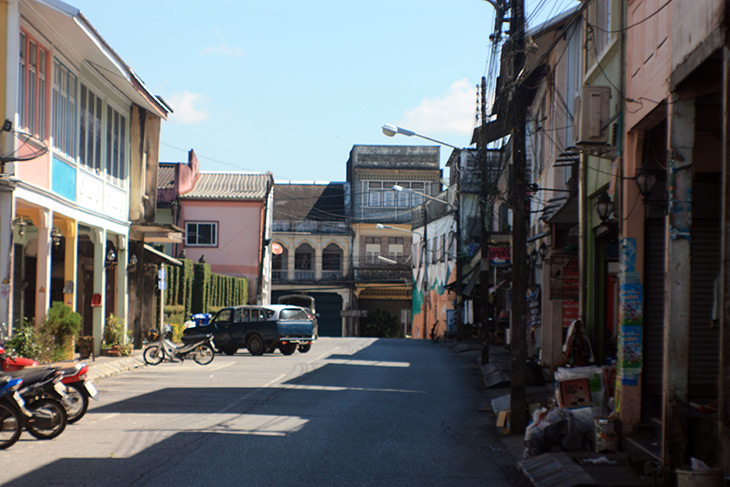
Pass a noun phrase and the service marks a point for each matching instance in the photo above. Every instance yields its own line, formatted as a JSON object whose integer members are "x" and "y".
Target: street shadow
{"x": 281, "y": 425}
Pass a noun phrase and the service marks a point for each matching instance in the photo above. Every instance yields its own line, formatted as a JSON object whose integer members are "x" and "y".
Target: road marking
{"x": 219, "y": 367}
{"x": 106, "y": 416}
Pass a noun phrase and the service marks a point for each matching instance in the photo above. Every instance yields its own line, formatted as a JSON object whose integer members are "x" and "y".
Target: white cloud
{"x": 454, "y": 112}
{"x": 188, "y": 108}
{"x": 224, "y": 50}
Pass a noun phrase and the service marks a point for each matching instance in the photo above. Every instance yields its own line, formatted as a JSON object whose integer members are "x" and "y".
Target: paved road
{"x": 352, "y": 411}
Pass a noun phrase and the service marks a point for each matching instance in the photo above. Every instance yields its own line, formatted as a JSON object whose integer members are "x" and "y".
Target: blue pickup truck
{"x": 259, "y": 329}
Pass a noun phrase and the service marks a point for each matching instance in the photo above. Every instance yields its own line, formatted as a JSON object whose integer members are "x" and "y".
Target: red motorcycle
{"x": 78, "y": 388}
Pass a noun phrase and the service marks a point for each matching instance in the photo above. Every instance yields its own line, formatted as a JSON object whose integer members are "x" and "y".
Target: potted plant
{"x": 113, "y": 334}
{"x": 62, "y": 325}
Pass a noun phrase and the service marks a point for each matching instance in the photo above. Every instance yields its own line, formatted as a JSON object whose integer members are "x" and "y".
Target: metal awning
{"x": 156, "y": 232}
{"x": 567, "y": 213}
{"x": 161, "y": 255}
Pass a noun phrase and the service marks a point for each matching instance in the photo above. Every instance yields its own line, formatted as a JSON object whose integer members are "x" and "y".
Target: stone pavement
{"x": 555, "y": 468}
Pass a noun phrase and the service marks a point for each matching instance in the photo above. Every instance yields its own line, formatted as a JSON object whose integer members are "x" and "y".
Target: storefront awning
{"x": 161, "y": 256}
{"x": 156, "y": 232}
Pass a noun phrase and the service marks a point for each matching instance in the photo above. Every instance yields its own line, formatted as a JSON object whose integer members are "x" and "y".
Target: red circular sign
{"x": 276, "y": 248}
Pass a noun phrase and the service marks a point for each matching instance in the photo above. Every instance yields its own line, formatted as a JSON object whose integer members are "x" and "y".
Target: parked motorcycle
{"x": 160, "y": 347}
{"x": 12, "y": 411}
{"x": 44, "y": 395}
{"x": 78, "y": 388}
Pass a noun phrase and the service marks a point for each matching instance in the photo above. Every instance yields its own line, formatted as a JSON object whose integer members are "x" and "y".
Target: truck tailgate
{"x": 303, "y": 329}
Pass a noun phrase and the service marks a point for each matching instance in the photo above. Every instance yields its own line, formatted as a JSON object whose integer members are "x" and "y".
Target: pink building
{"x": 226, "y": 217}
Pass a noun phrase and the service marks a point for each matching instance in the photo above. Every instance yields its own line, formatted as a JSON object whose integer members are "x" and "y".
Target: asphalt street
{"x": 352, "y": 411}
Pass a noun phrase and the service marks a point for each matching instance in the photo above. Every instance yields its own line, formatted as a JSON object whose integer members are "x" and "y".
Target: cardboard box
{"x": 503, "y": 422}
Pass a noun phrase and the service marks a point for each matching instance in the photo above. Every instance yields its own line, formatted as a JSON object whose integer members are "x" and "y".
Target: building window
{"x": 304, "y": 258}
{"x": 32, "y": 85}
{"x": 201, "y": 234}
{"x": 332, "y": 258}
{"x": 279, "y": 261}
{"x": 64, "y": 109}
{"x": 116, "y": 135}
{"x": 280, "y": 264}
{"x": 304, "y": 263}
{"x": 90, "y": 130}
{"x": 372, "y": 250}
{"x": 382, "y": 194}
{"x": 395, "y": 248}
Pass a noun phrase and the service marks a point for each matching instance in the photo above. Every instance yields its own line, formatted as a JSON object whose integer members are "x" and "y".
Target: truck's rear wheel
{"x": 255, "y": 345}
{"x": 288, "y": 349}
{"x": 305, "y": 347}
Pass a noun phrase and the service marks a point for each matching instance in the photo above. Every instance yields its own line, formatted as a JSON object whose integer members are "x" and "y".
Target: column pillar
{"x": 122, "y": 305}
{"x": 43, "y": 265}
{"x": 69, "y": 229}
{"x": 98, "y": 238}
{"x": 6, "y": 261}
{"x": 677, "y": 306}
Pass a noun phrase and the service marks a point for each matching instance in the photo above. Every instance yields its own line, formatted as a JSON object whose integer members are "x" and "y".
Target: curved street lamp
{"x": 391, "y": 130}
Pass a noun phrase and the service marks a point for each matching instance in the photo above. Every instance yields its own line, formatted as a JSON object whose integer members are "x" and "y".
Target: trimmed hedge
{"x": 193, "y": 288}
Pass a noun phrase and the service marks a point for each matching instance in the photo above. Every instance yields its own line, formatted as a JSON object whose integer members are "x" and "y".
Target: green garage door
{"x": 328, "y": 306}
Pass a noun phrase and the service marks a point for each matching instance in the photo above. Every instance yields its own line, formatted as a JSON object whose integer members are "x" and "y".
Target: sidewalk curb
{"x": 104, "y": 367}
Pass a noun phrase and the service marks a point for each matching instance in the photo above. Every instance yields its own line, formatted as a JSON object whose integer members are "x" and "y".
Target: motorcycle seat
{"x": 32, "y": 374}
{"x": 72, "y": 370}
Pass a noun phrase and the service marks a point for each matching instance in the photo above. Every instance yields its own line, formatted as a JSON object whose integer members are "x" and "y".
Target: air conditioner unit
{"x": 592, "y": 108}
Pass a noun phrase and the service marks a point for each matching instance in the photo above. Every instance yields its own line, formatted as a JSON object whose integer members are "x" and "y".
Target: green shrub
{"x": 23, "y": 342}
{"x": 59, "y": 330}
{"x": 113, "y": 331}
{"x": 382, "y": 324}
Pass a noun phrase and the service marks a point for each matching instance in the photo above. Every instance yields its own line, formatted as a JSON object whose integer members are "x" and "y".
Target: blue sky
{"x": 289, "y": 86}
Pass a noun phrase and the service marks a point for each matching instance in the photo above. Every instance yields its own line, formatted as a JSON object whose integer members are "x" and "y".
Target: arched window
{"x": 332, "y": 262}
{"x": 304, "y": 262}
{"x": 280, "y": 264}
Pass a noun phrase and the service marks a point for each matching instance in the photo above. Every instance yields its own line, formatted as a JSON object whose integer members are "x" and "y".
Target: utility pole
{"x": 486, "y": 224}
{"x": 426, "y": 286}
{"x": 458, "y": 313}
{"x": 518, "y": 392}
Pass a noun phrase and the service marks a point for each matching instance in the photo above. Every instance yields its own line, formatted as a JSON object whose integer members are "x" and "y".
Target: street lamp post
{"x": 391, "y": 130}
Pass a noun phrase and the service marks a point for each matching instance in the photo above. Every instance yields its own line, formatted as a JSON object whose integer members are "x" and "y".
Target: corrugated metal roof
{"x": 317, "y": 202}
{"x": 229, "y": 186}
{"x": 166, "y": 176}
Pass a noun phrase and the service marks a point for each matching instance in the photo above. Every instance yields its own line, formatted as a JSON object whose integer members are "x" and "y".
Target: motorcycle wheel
{"x": 305, "y": 348}
{"x": 153, "y": 354}
{"x": 11, "y": 426}
{"x": 203, "y": 354}
{"x": 288, "y": 349}
{"x": 49, "y": 419}
{"x": 78, "y": 401}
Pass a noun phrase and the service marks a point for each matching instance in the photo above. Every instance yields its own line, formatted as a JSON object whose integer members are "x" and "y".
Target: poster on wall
{"x": 534, "y": 299}
{"x": 570, "y": 312}
{"x": 630, "y": 354}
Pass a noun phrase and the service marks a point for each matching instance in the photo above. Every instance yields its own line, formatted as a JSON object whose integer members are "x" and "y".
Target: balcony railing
{"x": 283, "y": 275}
{"x": 384, "y": 273}
{"x": 304, "y": 275}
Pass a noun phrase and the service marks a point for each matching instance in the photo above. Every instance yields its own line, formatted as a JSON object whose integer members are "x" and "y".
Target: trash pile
{"x": 581, "y": 418}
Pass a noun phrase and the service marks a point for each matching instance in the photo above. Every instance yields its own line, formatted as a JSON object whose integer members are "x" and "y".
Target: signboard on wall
{"x": 534, "y": 299}
{"x": 570, "y": 312}
{"x": 500, "y": 256}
